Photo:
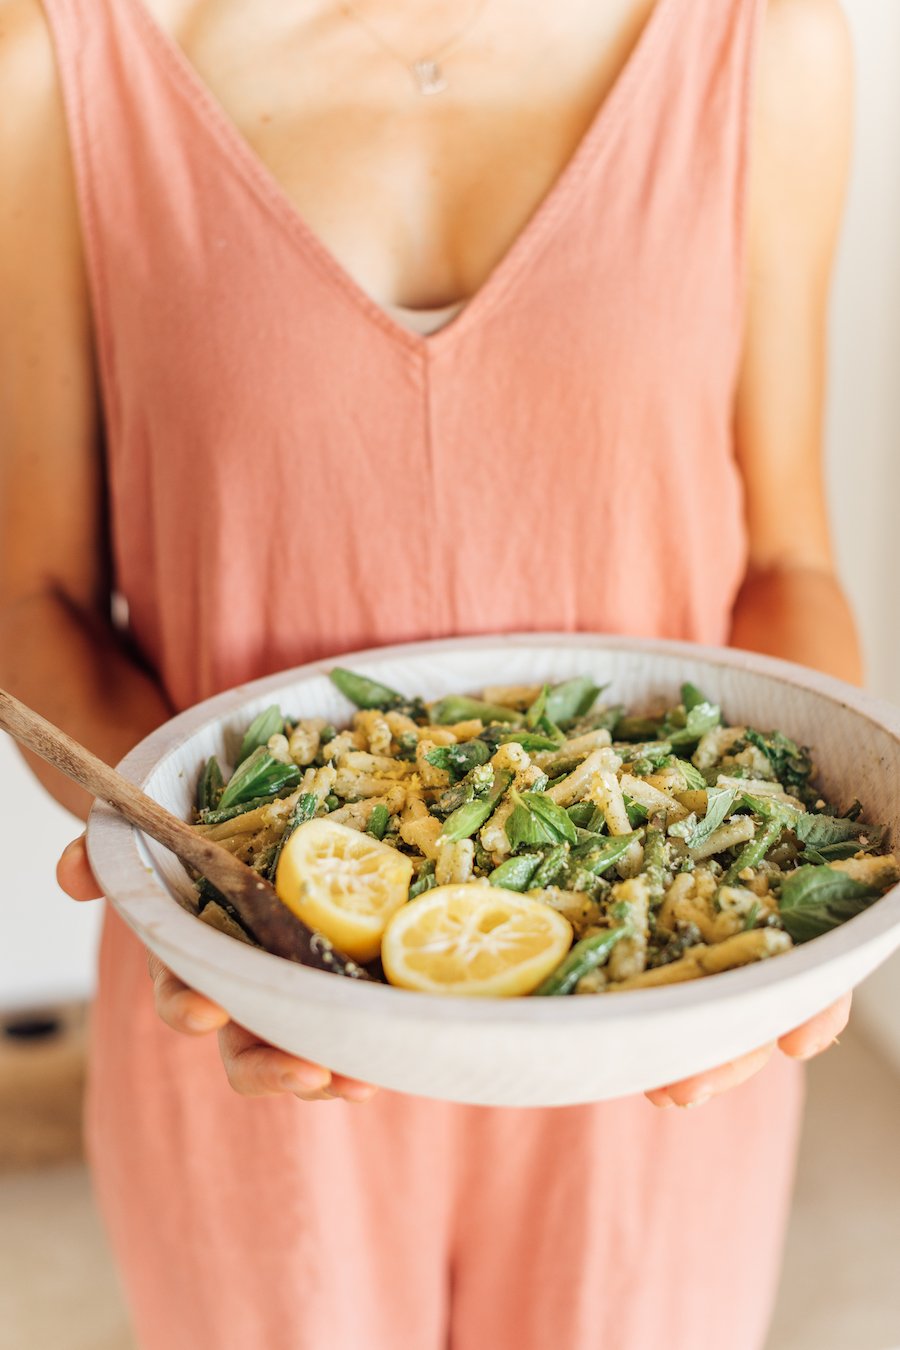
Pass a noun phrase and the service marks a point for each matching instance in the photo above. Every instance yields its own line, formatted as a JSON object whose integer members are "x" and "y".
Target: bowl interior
{"x": 855, "y": 742}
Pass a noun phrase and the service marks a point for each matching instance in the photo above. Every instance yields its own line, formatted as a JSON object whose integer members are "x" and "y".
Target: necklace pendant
{"x": 428, "y": 76}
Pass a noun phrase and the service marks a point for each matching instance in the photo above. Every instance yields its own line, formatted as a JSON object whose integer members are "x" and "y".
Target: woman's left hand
{"x": 803, "y": 1043}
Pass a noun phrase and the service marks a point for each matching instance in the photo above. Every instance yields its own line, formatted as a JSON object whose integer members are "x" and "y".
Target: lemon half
{"x": 343, "y": 884}
{"x": 474, "y": 939}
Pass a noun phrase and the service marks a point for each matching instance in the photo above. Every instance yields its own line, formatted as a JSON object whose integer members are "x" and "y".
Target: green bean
{"x": 469, "y": 817}
{"x": 598, "y": 858}
{"x": 585, "y": 956}
{"x": 304, "y": 809}
{"x": 554, "y": 864}
{"x": 378, "y": 821}
{"x": 655, "y": 862}
{"x": 425, "y": 881}
{"x": 210, "y": 786}
{"x": 221, "y": 814}
{"x": 753, "y": 852}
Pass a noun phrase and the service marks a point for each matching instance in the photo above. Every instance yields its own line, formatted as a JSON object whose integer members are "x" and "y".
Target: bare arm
{"x": 791, "y": 603}
{"x": 58, "y": 650}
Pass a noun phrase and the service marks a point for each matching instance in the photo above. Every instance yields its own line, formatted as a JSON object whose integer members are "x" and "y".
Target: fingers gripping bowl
{"x": 518, "y": 1051}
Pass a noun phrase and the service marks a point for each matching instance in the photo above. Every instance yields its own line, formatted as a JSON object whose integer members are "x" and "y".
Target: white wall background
{"x": 863, "y": 435}
{"x": 47, "y": 942}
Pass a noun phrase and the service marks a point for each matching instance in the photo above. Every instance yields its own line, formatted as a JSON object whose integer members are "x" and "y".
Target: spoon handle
{"x": 273, "y": 925}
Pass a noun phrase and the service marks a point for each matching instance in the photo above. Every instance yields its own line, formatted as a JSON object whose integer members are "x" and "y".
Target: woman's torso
{"x": 293, "y": 473}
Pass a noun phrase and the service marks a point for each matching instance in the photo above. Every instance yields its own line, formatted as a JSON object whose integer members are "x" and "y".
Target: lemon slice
{"x": 342, "y": 883}
{"x": 474, "y": 939}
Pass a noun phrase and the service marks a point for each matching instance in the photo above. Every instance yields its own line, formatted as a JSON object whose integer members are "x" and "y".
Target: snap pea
{"x": 362, "y": 691}
{"x": 458, "y": 708}
{"x": 515, "y": 874}
{"x": 585, "y": 956}
{"x": 572, "y": 699}
{"x": 637, "y": 728}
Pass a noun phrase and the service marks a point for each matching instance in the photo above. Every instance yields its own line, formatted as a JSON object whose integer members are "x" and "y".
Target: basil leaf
{"x": 365, "y": 693}
{"x": 536, "y": 819}
{"x": 459, "y": 759}
{"x": 719, "y": 803}
{"x": 268, "y": 723}
{"x": 702, "y": 717}
{"x": 571, "y": 699}
{"x": 790, "y": 762}
{"x": 819, "y": 831}
{"x": 693, "y": 777}
{"x": 515, "y": 874}
{"x": 816, "y": 899}
{"x": 260, "y": 775}
{"x": 636, "y": 813}
{"x": 458, "y": 708}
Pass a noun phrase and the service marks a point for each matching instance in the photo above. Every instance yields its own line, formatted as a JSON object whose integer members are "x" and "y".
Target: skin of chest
{"x": 418, "y": 198}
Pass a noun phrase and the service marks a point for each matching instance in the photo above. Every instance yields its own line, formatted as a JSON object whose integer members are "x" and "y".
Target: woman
{"x": 221, "y": 302}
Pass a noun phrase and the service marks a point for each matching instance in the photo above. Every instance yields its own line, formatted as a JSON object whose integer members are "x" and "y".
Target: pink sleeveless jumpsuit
{"x": 293, "y": 475}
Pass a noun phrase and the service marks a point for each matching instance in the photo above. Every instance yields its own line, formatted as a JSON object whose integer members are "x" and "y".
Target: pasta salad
{"x": 536, "y": 840}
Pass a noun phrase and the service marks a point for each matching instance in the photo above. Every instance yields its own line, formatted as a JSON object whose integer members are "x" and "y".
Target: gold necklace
{"x": 426, "y": 71}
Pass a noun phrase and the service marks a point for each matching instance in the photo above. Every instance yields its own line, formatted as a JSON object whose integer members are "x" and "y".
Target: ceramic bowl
{"x": 512, "y": 1052}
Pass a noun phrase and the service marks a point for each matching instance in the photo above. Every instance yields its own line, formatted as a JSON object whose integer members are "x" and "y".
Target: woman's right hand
{"x": 254, "y": 1068}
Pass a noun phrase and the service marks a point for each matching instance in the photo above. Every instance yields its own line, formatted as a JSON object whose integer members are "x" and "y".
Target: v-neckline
{"x": 532, "y": 233}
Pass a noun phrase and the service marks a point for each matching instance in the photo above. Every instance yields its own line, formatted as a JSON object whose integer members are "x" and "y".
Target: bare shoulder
{"x": 27, "y": 72}
{"x": 806, "y": 74}
{"x": 803, "y": 127}
{"x": 39, "y": 235}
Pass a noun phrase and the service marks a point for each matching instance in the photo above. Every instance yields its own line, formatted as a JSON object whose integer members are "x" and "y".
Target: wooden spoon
{"x": 273, "y": 925}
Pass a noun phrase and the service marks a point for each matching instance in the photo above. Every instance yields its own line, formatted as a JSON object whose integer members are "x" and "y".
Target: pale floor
{"x": 841, "y": 1284}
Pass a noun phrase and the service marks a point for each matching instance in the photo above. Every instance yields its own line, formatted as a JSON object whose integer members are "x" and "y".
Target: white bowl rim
{"x": 114, "y": 849}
